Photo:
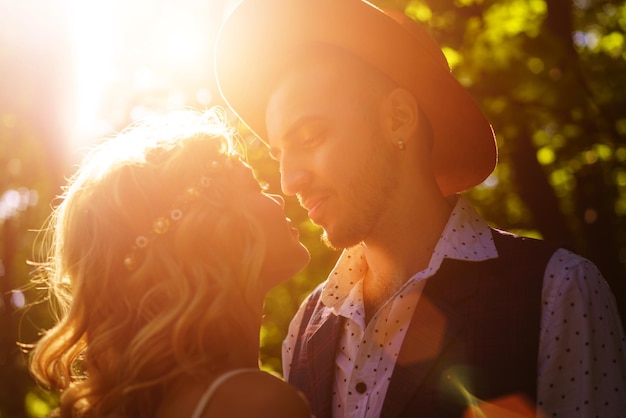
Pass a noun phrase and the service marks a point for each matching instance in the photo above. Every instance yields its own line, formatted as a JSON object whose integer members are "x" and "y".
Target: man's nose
{"x": 294, "y": 175}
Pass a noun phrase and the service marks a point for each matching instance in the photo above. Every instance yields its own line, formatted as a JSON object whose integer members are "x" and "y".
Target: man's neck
{"x": 400, "y": 252}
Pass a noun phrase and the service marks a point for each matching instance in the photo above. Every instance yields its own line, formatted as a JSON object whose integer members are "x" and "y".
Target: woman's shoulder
{"x": 256, "y": 394}
{"x": 249, "y": 393}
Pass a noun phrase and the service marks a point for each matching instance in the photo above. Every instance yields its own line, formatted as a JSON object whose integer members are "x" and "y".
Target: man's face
{"x": 325, "y": 133}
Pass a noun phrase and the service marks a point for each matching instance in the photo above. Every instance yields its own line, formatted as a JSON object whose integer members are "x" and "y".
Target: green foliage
{"x": 39, "y": 403}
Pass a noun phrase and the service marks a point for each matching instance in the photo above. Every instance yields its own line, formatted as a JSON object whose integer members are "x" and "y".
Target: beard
{"x": 366, "y": 198}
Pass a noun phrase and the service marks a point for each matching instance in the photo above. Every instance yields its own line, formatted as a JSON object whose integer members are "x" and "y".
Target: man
{"x": 428, "y": 312}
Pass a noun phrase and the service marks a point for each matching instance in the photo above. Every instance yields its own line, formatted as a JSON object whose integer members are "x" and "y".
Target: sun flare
{"x": 126, "y": 52}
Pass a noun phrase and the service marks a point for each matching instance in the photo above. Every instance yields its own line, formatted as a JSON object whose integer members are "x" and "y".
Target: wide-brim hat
{"x": 259, "y": 34}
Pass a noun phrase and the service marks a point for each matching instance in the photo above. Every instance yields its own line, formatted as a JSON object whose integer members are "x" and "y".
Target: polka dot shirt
{"x": 582, "y": 349}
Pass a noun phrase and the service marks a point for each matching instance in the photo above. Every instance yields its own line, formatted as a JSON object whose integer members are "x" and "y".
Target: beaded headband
{"x": 167, "y": 222}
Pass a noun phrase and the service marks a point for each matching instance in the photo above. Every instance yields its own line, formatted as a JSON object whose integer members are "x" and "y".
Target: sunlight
{"x": 128, "y": 52}
{"x": 93, "y": 41}
{"x": 514, "y": 405}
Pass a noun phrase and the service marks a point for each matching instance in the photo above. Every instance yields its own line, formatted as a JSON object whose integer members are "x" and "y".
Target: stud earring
{"x": 401, "y": 145}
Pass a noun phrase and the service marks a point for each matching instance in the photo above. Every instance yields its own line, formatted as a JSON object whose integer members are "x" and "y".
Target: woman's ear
{"x": 400, "y": 115}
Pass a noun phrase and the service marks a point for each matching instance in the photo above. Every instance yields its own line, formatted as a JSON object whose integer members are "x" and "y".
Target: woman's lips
{"x": 295, "y": 231}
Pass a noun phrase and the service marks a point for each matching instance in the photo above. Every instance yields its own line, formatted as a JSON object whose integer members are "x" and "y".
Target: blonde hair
{"x": 123, "y": 335}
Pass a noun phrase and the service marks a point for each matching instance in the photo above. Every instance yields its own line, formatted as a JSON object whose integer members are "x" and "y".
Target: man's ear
{"x": 401, "y": 116}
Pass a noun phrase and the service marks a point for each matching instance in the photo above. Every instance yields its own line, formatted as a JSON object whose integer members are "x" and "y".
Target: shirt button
{"x": 361, "y": 387}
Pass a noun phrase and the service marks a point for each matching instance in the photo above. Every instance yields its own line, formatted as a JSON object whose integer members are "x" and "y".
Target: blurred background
{"x": 549, "y": 74}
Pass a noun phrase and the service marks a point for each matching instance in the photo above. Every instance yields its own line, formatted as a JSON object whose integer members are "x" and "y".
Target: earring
{"x": 401, "y": 145}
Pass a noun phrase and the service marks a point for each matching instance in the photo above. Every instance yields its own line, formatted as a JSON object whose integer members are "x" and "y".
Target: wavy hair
{"x": 123, "y": 335}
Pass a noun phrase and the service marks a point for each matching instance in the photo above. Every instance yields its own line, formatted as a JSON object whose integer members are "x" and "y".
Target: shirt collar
{"x": 466, "y": 236}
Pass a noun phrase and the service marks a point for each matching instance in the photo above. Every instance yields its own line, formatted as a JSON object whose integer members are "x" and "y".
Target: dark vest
{"x": 474, "y": 335}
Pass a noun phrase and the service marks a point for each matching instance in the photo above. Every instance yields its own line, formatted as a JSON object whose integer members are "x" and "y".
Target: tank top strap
{"x": 210, "y": 391}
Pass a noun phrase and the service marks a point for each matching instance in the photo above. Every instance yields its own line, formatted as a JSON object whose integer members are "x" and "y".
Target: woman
{"x": 162, "y": 251}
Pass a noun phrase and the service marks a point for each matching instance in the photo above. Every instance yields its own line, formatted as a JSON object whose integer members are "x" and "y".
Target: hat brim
{"x": 258, "y": 34}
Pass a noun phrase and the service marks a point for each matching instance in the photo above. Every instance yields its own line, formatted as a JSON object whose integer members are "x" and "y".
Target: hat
{"x": 258, "y": 34}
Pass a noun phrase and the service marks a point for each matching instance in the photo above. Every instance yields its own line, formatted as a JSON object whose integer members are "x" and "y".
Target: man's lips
{"x": 313, "y": 206}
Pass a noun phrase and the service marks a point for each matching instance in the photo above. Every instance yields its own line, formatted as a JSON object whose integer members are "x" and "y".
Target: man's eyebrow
{"x": 290, "y": 136}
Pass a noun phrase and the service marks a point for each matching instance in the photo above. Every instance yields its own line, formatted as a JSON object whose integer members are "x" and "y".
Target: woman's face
{"x": 285, "y": 255}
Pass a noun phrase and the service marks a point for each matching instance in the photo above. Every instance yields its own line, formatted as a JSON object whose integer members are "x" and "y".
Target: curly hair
{"x": 123, "y": 335}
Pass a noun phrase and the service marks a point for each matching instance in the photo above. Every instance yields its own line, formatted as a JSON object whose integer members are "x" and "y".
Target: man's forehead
{"x": 305, "y": 79}
{"x": 318, "y": 72}
{"x": 301, "y": 93}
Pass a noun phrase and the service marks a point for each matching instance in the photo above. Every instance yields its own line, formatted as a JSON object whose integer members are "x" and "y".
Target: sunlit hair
{"x": 124, "y": 335}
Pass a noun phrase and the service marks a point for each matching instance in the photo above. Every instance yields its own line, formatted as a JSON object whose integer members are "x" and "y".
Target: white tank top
{"x": 210, "y": 391}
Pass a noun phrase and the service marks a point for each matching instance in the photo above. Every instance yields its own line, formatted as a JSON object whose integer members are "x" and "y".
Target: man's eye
{"x": 313, "y": 139}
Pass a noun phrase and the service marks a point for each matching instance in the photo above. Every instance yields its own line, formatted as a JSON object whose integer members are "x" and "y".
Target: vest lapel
{"x": 322, "y": 349}
{"x": 430, "y": 336}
